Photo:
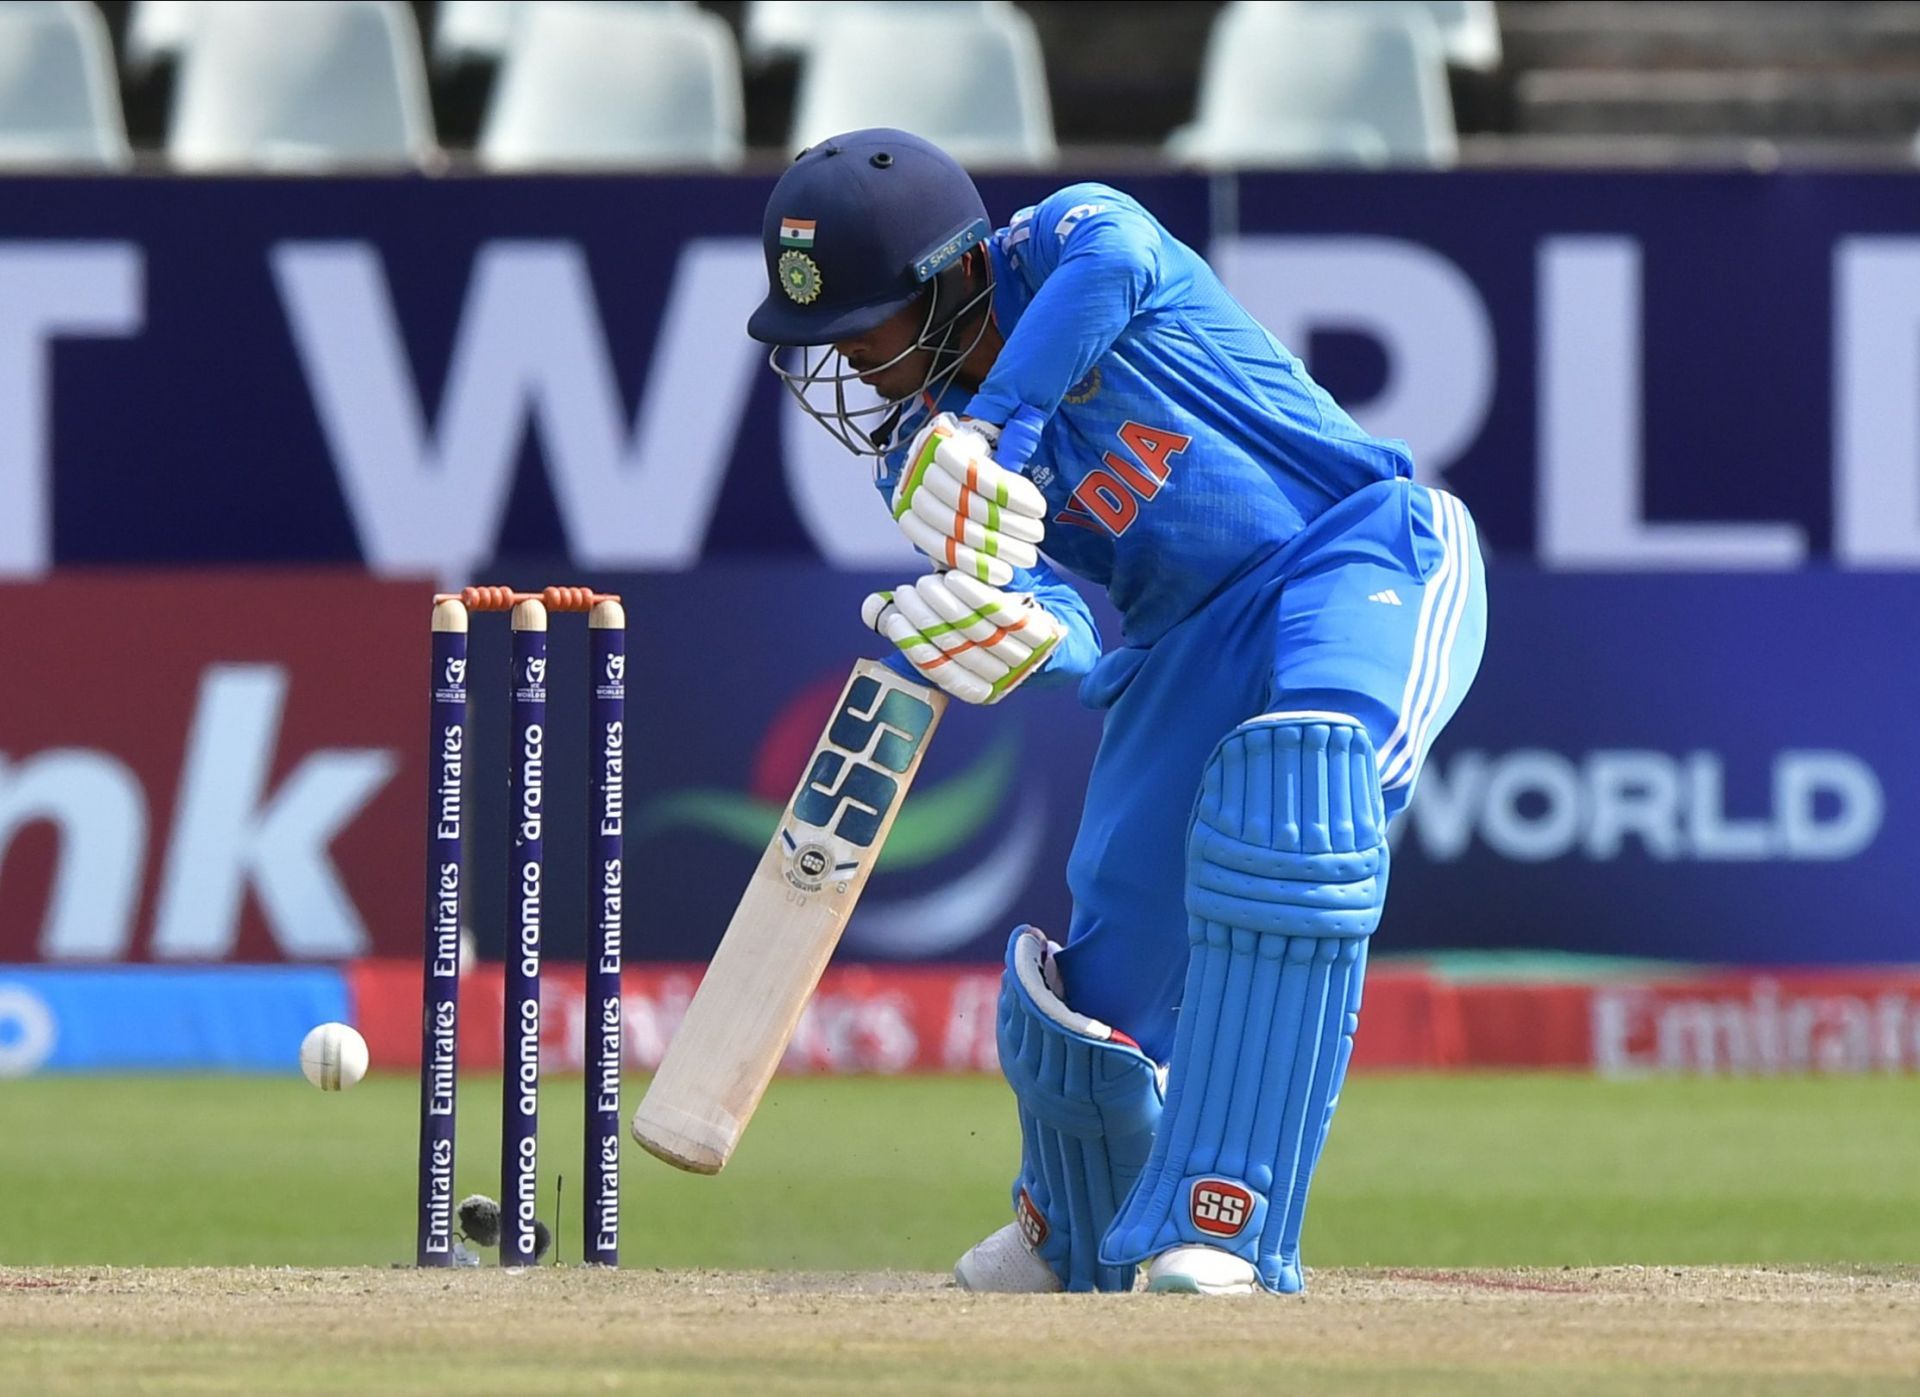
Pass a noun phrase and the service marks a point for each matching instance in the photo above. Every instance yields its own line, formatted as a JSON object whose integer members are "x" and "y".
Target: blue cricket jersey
{"x": 1176, "y": 441}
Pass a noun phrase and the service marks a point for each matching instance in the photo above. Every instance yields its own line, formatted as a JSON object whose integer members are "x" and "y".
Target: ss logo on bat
{"x": 847, "y": 794}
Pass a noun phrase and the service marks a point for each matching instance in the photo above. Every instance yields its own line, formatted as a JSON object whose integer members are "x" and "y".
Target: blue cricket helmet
{"x": 858, "y": 227}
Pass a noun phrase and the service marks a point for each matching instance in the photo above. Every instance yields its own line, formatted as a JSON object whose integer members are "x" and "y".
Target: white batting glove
{"x": 963, "y": 509}
{"x": 976, "y": 642}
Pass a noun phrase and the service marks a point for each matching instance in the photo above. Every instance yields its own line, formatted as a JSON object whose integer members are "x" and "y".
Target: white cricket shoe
{"x": 1200, "y": 1271}
{"x": 1004, "y": 1264}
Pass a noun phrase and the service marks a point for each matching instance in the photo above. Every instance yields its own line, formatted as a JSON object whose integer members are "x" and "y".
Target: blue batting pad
{"x": 1089, "y": 1101}
{"x": 1287, "y": 872}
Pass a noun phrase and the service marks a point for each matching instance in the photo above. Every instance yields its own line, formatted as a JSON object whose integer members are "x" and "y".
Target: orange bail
{"x": 574, "y": 598}
{"x": 505, "y": 598}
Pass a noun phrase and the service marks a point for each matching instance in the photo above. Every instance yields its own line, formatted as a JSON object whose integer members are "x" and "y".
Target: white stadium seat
{"x": 467, "y": 30}
{"x": 771, "y": 29}
{"x": 1275, "y": 75}
{"x": 615, "y": 85}
{"x": 1325, "y": 143}
{"x": 59, "y": 105}
{"x": 969, "y": 78}
{"x": 301, "y": 85}
{"x": 775, "y": 29}
{"x": 157, "y": 30}
{"x": 1469, "y": 29}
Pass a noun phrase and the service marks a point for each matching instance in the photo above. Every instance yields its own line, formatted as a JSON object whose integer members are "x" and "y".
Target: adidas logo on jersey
{"x": 1389, "y": 597}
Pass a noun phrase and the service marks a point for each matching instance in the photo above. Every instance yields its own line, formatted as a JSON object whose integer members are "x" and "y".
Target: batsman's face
{"x": 872, "y": 355}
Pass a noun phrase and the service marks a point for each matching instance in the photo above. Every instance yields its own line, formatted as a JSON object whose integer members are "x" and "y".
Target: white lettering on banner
{"x": 1590, "y": 428}
{"x": 530, "y": 352}
{"x": 96, "y": 804}
{"x": 28, "y": 1031}
{"x": 228, "y": 831}
{"x": 1422, "y": 310}
{"x": 1876, "y": 407}
{"x": 48, "y": 290}
{"x": 1763, "y": 1030}
{"x": 1532, "y": 805}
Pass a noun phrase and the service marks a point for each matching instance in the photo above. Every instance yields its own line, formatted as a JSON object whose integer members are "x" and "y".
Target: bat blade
{"x": 788, "y": 921}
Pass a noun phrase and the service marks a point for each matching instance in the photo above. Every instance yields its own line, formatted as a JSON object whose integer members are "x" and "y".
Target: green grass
{"x": 868, "y": 1173}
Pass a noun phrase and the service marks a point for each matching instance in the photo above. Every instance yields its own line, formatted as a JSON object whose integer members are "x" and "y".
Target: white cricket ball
{"x": 334, "y": 1056}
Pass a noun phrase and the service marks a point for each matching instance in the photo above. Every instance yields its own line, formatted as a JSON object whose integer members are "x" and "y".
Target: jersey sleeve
{"x": 1097, "y": 257}
{"x": 1079, "y": 649}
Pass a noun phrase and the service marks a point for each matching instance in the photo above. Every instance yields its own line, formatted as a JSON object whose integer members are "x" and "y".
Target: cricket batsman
{"x": 1299, "y": 620}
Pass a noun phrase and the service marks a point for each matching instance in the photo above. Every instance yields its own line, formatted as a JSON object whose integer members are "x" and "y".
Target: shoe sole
{"x": 1187, "y": 1285}
{"x": 1173, "y": 1285}
{"x": 960, "y": 1280}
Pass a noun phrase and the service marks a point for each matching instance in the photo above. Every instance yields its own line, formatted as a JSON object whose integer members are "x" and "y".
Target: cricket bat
{"x": 789, "y": 920}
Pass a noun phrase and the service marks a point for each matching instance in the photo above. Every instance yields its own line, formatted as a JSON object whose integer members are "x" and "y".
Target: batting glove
{"x": 963, "y": 509}
{"x": 976, "y": 642}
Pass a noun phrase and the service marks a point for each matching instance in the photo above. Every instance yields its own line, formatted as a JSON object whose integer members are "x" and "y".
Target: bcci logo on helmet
{"x": 799, "y": 277}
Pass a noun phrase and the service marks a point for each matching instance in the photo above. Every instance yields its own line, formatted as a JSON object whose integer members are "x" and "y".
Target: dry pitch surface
{"x": 1617, "y": 1330}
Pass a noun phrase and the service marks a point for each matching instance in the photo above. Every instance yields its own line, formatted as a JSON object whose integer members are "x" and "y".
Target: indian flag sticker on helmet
{"x": 799, "y": 277}
{"x": 796, "y": 232}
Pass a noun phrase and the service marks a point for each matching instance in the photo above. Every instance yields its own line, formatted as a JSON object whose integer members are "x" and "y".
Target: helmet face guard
{"x": 820, "y": 378}
{"x": 862, "y": 227}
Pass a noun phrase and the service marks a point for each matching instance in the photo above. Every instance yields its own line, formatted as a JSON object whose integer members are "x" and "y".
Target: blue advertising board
{"x": 160, "y": 1019}
{"x": 420, "y": 374}
{"x": 1637, "y": 371}
{"x": 719, "y": 742}
{"x": 1681, "y": 405}
{"x": 1707, "y": 767}
{"x": 1574, "y": 350}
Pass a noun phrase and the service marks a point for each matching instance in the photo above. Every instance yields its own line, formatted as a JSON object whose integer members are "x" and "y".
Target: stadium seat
{"x": 777, "y": 29}
{"x": 984, "y": 100}
{"x": 1469, "y": 29}
{"x": 157, "y": 30}
{"x": 1323, "y": 143}
{"x": 471, "y": 29}
{"x": 479, "y": 30}
{"x": 1292, "y": 85}
{"x": 1469, "y": 32}
{"x": 627, "y": 85}
{"x": 58, "y": 102}
{"x": 301, "y": 85}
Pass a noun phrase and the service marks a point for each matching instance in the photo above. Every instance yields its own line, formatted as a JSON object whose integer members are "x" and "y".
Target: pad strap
{"x": 1089, "y": 1101}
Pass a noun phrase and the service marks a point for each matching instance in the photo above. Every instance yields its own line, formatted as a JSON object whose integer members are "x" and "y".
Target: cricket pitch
{"x": 1708, "y": 1330}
